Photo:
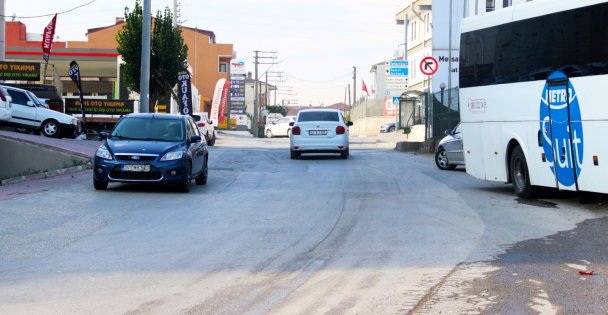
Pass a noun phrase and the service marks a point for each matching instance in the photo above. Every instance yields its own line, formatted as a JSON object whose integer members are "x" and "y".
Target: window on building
{"x": 490, "y": 4}
{"x": 223, "y": 67}
{"x": 427, "y": 20}
{"x": 413, "y": 69}
{"x": 506, "y": 3}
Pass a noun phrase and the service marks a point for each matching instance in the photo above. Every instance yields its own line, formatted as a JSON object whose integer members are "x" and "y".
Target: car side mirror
{"x": 291, "y": 124}
{"x": 30, "y": 103}
{"x": 349, "y": 123}
{"x": 103, "y": 135}
{"x": 194, "y": 139}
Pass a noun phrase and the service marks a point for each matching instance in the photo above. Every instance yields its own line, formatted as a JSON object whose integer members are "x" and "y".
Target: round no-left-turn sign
{"x": 429, "y": 65}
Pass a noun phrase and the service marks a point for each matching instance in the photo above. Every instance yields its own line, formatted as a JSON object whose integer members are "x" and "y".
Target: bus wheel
{"x": 520, "y": 175}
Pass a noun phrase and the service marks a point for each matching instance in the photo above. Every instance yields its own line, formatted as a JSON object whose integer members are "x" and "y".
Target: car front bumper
{"x": 161, "y": 172}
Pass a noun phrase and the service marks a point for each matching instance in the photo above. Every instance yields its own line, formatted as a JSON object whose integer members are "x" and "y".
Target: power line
{"x": 321, "y": 81}
{"x": 49, "y": 14}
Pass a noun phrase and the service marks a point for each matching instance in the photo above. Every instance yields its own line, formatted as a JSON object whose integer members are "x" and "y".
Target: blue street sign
{"x": 398, "y": 63}
{"x": 397, "y": 71}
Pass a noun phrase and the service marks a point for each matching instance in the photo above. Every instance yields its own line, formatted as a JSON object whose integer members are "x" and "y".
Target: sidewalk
{"x": 82, "y": 148}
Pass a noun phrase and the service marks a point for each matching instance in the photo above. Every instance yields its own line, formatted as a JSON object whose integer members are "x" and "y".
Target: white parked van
{"x": 29, "y": 113}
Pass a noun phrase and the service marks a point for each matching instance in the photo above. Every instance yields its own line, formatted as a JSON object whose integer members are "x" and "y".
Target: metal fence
{"x": 445, "y": 114}
{"x": 367, "y": 108}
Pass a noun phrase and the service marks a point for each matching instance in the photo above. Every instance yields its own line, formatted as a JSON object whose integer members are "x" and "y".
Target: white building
{"x": 475, "y": 7}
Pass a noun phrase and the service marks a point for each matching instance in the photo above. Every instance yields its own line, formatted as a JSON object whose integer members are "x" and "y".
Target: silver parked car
{"x": 449, "y": 151}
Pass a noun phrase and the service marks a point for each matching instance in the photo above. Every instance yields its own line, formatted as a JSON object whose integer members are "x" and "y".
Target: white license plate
{"x": 136, "y": 168}
{"x": 317, "y": 132}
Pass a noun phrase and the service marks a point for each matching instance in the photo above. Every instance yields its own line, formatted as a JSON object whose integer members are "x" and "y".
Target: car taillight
{"x": 340, "y": 130}
{"x": 2, "y": 96}
{"x": 295, "y": 131}
{"x": 201, "y": 124}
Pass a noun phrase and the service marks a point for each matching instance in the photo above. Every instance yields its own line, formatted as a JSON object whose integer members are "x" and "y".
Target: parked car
{"x": 152, "y": 148}
{"x": 388, "y": 127}
{"x": 29, "y": 113}
{"x": 449, "y": 150}
{"x": 319, "y": 131}
{"x": 205, "y": 126}
{"x": 279, "y": 127}
{"x": 6, "y": 106}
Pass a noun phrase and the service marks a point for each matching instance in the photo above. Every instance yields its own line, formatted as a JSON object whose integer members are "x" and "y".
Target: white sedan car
{"x": 279, "y": 127}
{"x": 319, "y": 131}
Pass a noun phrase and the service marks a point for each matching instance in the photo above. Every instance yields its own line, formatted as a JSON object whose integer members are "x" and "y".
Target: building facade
{"x": 475, "y": 7}
{"x": 99, "y": 60}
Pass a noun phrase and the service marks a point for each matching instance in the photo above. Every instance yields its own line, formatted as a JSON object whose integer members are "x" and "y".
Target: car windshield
{"x": 149, "y": 129}
{"x": 35, "y": 99}
{"x": 318, "y": 116}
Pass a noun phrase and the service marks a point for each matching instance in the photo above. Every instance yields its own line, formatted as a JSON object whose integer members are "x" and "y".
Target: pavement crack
{"x": 433, "y": 290}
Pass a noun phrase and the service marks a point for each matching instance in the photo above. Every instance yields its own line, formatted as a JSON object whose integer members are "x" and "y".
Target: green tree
{"x": 168, "y": 52}
{"x": 277, "y": 109}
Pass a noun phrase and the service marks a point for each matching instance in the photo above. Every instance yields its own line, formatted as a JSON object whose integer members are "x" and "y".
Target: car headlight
{"x": 103, "y": 153}
{"x": 174, "y": 155}
{"x": 74, "y": 122}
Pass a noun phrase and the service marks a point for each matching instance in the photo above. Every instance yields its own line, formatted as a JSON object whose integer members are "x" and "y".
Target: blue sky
{"x": 317, "y": 41}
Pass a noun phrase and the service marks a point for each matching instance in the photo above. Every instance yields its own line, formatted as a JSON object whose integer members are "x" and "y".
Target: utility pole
{"x": 266, "y": 91}
{"x": 450, "y": 69}
{"x": 256, "y": 110}
{"x": 350, "y": 104}
{"x": 355, "y": 85}
{"x": 2, "y": 31}
{"x": 144, "y": 79}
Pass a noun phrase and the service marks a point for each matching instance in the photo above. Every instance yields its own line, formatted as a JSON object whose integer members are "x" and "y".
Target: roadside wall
{"x": 17, "y": 159}
{"x": 369, "y": 125}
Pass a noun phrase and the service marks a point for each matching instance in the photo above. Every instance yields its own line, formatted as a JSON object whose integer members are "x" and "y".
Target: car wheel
{"x": 201, "y": 179}
{"x": 294, "y": 155}
{"x": 185, "y": 186}
{"x": 441, "y": 159}
{"x": 211, "y": 140}
{"x": 520, "y": 175}
{"x": 344, "y": 154}
{"x": 391, "y": 129}
{"x": 268, "y": 133}
{"x": 51, "y": 128}
{"x": 100, "y": 185}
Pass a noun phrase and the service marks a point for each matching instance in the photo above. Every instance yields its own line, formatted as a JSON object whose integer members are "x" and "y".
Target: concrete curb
{"x": 405, "y": 146}
{"x": 63, "y": 171}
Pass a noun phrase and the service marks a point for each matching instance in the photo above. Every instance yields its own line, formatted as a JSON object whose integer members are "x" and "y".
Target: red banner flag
{"x": 364, "y": 87}
{"x": 223, "y": 102}
{"x": 47, "y": 38}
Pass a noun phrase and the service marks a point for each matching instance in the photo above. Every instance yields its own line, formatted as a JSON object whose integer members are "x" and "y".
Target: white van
{"x": 6, "y": 107}
{"x": 30, "y": 113}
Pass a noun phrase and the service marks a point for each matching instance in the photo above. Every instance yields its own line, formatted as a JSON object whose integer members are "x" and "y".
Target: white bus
{"x": 534, "y": 95}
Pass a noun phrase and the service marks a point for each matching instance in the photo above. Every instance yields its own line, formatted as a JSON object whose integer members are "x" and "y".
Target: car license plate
{"x": 136, "y": 168}
{"x": 317, "y": 132}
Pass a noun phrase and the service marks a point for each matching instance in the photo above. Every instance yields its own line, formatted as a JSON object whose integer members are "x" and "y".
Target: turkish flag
{"x": 47, "y": 38}
{"x": 364, "y": 87}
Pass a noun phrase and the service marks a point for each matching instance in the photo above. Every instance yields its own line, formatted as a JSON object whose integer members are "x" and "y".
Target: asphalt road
{"x": 380, "y": 233}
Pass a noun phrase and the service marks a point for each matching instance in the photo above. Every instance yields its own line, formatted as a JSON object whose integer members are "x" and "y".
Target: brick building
{"x": 99, "y": 59}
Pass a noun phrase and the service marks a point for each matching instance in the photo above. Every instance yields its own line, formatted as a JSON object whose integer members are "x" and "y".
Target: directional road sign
{"x": 429, "y": 65}
{"x": 396, "y": 68}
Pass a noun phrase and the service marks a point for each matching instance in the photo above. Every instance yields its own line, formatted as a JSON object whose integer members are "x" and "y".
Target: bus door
{"x": 558, "y": 129}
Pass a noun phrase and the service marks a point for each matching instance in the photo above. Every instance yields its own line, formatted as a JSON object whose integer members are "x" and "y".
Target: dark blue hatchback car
{"x": 152, "y": 148}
